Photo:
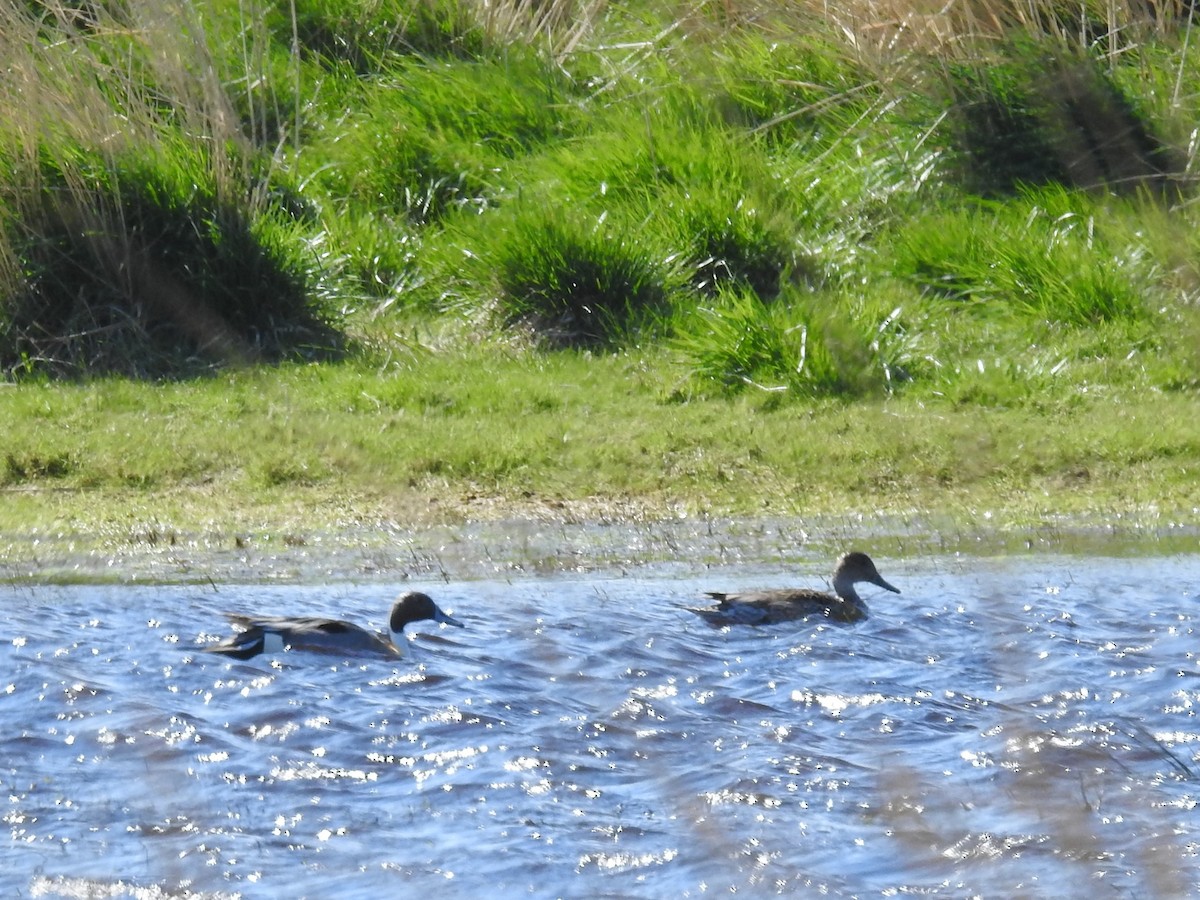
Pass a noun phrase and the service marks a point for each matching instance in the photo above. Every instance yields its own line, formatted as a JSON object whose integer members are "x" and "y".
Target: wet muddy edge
{"x": 555, "y": 544}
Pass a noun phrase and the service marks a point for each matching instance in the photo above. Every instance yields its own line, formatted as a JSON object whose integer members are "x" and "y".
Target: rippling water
{"x": 1004, "y": 727}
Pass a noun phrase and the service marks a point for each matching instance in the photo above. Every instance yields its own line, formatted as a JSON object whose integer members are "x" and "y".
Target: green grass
{"x": 441, "y": 135}
{"x": 1043, "y": 257}
{"x": 801, "y": 343}
{"x": 135, "y": 267}
{"x": 590, "y": 427}
{"x": 576, "y": 282}
{"x": 733, "y": 258}
{"x": 1042, "y": 112}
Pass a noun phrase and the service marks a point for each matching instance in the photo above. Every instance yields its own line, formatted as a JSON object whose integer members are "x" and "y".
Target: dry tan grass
{"x": 113, "y": 78}
{"x": 560, "y": 24}
{"x": 887, "y": 30}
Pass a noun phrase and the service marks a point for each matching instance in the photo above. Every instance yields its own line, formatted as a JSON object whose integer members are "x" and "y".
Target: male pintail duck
{"x": 767, "y": 607}
{"x": 271, "y": 634}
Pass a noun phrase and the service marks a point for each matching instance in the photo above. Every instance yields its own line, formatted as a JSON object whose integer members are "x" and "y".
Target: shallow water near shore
{"x": 1007, "y": 725}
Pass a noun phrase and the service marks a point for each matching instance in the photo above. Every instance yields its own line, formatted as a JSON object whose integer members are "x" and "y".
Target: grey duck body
{"x": 272, "y": 634}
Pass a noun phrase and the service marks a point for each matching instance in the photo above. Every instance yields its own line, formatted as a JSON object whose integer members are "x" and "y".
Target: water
{"x": 1005, "y": 727}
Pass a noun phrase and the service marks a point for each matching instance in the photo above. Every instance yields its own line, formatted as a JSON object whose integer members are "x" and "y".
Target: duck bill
{"x": 887, "y": 587}
{"x": 439, "y": 616}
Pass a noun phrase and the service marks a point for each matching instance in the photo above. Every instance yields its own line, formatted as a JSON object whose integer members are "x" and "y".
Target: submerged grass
{"x": 567, "y": 250}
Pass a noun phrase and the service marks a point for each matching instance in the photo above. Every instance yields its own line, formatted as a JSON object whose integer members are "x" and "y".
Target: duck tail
{"x": 712, "y": 615}
{"x": 246, "y": 645}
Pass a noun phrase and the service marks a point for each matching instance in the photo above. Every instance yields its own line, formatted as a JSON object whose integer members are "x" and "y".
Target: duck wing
{"x": 767, "y": 607}
{"x": 300, "y": 633}
{"x": 291, "y": 624}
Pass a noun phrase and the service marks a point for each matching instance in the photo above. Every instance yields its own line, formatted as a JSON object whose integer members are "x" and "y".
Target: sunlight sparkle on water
{"x": 562, "y": 756}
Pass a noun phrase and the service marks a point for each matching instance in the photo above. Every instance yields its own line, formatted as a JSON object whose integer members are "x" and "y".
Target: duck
{"x": 271, "y": 634}
{"x": 789, "y": 604}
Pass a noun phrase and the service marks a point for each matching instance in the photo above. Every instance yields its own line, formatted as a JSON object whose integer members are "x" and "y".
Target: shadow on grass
{"x": 137, "y": 270}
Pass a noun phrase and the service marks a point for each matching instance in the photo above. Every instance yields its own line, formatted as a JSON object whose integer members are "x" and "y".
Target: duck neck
{"x": 398, "y": 639}
{"x": 844, "y": 588}
{"x": 849, "y": 610}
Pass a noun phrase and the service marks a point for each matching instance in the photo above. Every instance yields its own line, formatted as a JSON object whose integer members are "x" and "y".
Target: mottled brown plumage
{"x": 788, "y": 604}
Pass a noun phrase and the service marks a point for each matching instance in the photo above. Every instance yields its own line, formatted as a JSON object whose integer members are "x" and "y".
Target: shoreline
{"x": 489, "y": 540}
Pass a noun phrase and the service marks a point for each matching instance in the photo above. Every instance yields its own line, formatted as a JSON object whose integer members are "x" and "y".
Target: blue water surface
{"x": 1015, "y": 726}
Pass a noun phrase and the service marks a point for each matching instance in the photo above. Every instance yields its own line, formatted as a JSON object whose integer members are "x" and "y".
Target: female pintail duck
{"x": 271, "y": 634}
{"x": 767, "y": 607}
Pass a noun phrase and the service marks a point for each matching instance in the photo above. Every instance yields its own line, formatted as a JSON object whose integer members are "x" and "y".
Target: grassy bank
{"x": 307, "y": 450}
{"x": 423, "y": 262}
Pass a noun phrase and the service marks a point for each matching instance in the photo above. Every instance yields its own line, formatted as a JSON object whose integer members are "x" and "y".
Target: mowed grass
{"x": 423, "y": 261}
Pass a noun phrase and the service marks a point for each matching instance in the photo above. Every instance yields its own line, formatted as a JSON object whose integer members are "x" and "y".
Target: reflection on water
{"x": 1023, "y": 726}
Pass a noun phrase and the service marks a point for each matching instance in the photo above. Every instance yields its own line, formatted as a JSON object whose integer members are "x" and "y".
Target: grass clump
{"x": 443, "y": 135}
{"x": 1046, "y": 259}
{"x": 141, "y": 233}
{"x": 366, "y": 34}
{"x": 801, "y": 343}
{"x": 734, "y": 240}
{"x": 1034, "y": 114}
{"x": 577, "y": 282}
{"x": 793, "y": 88}
{"x": 372, "y": 35}
{"x": 136, "y": 268}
